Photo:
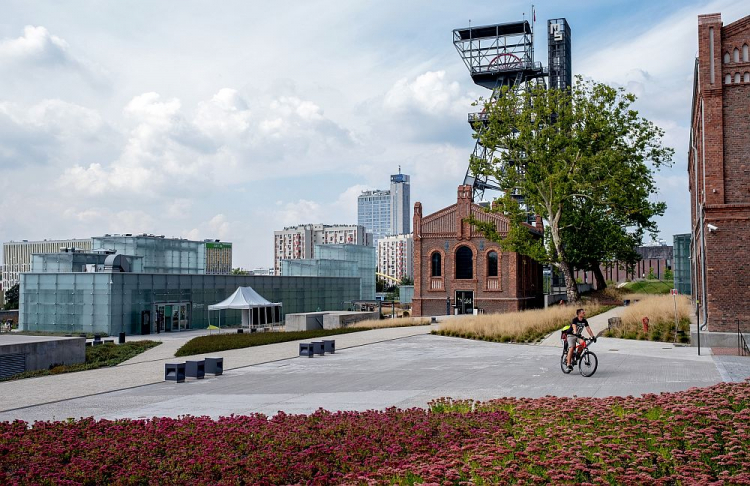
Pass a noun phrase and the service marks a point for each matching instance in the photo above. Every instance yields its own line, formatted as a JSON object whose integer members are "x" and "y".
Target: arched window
{"x": 745, "y": 54}
{"x": 464, "y": 263}
{"x": 736, "y": 55}
{"x": 737, "y": 78}
{"x": 437, "y": 266}
{"x": 492, "y": 264}
{"x": 728, "y": 79}
{"x": 726, "y": 58}
{"x": 747, "y": 77}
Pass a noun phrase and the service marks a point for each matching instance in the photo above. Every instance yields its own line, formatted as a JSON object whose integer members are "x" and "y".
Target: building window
{"x": 745, "y": 54}
{"x": 737, "y": 78}
{"x": 437, "y": 269}
{"x": 492, "y": 264}
{"x": 736, "y": 55}
{"x": 726, "y": 58}
{"x": 728, "y": 79}
{"x": 464, "y": 263}
{"x": 747, "y": 77}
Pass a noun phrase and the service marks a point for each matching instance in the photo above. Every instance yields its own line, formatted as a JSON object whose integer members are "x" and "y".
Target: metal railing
{"x": 742, "y": 347}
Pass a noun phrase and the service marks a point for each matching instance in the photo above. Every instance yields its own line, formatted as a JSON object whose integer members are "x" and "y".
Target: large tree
{"x": 11, "y": 298}
{"x": 583, "y": 160}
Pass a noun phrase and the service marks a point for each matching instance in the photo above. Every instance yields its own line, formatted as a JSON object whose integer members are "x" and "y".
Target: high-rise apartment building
{"x": 17, "y": 255}
{"x": 388, "y": 212}
{"x": 374, "y": 213}
{"x": 396, "y": 256}
{"x": 298, "y": 242}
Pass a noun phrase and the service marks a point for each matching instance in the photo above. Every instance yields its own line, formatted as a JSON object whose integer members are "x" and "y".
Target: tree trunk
{"x": 571, "y": 287}
{"x": 601, "y": 284}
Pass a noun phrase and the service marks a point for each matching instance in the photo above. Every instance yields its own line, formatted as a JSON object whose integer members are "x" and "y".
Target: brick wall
{"x": 721, "y": 140}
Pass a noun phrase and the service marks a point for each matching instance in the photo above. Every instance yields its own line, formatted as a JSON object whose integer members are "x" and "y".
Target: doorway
{"x": 172, "y": 317}
{"x": 465, "y": 301}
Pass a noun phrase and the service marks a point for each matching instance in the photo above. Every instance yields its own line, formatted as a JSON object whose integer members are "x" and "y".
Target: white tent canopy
{"x": 256, "y": 310}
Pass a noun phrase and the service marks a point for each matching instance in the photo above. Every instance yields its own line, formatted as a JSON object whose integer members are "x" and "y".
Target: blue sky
{"x": 232, "y": 119}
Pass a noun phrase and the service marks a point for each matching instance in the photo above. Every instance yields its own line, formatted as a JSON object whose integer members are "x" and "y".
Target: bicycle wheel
{"x": 588, "y": 363}
{"x": 564, "y": 363}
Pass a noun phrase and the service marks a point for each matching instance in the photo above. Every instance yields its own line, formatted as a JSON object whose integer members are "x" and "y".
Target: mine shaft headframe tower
{"x": 496, "y": 55}
{"x": 559, "y": 58}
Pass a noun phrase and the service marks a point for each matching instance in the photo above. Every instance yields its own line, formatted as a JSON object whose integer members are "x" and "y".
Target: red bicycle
{"x": 586, "y": 360}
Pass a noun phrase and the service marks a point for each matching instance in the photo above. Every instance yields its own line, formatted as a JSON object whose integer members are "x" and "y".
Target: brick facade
{"x": 719, "y": 173}
{"x": 517, "y": 286}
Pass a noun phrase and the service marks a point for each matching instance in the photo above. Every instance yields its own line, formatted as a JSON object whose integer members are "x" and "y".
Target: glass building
{"x": 160, "y": 255}
{"x": 681, "y": 258}
{"x": 144, "y": 303}
{"x": 338, "y": 261}
{"x": 374, "y": 213}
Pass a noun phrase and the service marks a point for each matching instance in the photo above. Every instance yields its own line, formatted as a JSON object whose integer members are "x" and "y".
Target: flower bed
{"x": 694, "y": 437}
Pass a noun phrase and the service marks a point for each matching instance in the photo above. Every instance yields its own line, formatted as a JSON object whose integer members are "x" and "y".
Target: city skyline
{"x": 179, "y": 121}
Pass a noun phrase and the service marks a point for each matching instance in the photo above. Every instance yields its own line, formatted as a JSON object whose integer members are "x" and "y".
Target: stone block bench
{"x": 306, "y": 349}
{"x": 214, "y": 366}
{"x": 329, "y": 346}
{"x": 174, "y": 372}
{"x": 195, "y": 369}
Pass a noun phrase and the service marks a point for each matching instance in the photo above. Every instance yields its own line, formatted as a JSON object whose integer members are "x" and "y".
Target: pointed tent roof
{"x": 243, "y": 298}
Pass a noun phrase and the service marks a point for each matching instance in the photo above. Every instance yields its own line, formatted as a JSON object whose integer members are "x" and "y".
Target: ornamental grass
{"x": 519, "y": 327}
{"x": 398, "y": 322}
{"x": 699, "y": 436}
{"x": 661, "y": 313}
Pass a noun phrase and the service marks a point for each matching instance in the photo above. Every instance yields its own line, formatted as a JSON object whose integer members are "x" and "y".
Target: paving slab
{"x": 406, "y": 371}
{"x": 45, "y": 389}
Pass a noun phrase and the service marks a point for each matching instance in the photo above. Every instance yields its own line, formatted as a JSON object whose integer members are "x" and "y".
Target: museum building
{"x": 458, "y": 271}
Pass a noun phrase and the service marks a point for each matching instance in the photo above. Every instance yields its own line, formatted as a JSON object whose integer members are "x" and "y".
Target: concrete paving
{"x": 409, "y": 369}
{"x": 45, "y": 389}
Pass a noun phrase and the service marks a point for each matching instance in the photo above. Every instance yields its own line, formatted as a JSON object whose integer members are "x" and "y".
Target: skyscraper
{"x": 400, "y": 204}
{"x": 386, "y": 213}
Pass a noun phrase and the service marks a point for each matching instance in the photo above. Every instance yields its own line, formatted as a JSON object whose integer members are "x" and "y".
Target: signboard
{"x": 674, "y": 292}
{"x": 218, "y": 245}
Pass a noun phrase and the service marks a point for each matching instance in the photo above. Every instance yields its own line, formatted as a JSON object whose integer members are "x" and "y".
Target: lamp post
{"x": 447, "y": 305}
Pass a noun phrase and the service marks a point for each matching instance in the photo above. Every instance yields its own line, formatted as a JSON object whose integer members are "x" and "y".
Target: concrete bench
{"x": 318, "y": 347}
{"x": 306, "y": 349}
{"x": 329, "y": 346}
{"x": 174, "y": 372}
{"x": 214, "y": 366}
{"x": 195, "y": 369}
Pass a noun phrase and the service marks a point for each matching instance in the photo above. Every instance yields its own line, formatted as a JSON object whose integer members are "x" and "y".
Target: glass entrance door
{"x": 465, "y": 301}
{"x": 173, "y": 317}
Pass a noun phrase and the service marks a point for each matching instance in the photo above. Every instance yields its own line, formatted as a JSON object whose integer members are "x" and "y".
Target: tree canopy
{"x": 583, "y": 160}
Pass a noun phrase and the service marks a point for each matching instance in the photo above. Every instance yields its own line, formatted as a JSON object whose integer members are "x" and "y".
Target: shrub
{"x": 223, "y": 342}
{"x": 96, "y": 357}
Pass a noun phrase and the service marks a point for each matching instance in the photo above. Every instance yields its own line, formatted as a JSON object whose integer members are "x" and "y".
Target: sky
{"x": 229, "y": 120}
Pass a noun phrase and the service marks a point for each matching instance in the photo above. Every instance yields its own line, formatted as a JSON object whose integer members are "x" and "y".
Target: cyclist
{"x": 577, "y": 325}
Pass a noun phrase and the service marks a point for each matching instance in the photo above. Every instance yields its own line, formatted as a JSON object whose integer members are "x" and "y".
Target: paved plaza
{"x": 405, "y": 367}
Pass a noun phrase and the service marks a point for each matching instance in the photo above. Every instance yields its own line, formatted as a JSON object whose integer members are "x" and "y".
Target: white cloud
{"x": 36, "y": 46}
{"x": 429, "y": 93}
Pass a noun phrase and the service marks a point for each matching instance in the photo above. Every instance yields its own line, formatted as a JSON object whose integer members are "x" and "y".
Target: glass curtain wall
{"x": 147, "y": 303}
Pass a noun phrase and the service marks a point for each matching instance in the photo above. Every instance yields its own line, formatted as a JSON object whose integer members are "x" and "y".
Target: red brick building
{"x": 719, "y": 173}
{"x": 456, "y": 269}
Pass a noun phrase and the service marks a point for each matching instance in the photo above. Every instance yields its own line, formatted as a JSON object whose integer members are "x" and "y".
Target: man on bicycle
{"x": 578, "y": 323}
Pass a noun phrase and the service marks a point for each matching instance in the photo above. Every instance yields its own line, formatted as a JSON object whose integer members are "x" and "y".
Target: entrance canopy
{"x": 256, "y": 310}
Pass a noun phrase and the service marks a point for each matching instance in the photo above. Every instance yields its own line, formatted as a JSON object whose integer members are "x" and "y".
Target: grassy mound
{"x": 96, "y": 357}
{"x": 649, "y": 286}
{"x": 223, "y": 342}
